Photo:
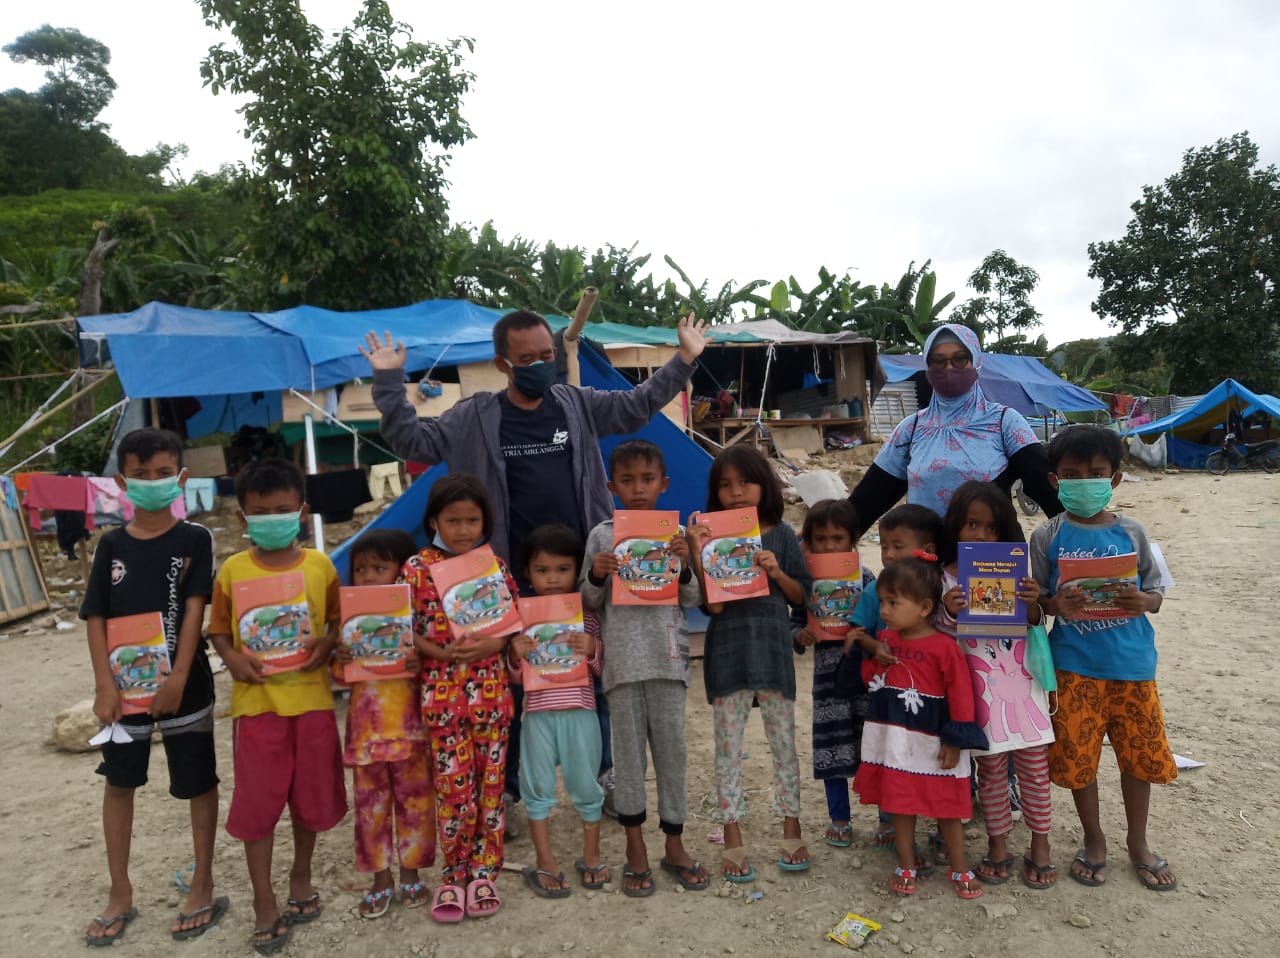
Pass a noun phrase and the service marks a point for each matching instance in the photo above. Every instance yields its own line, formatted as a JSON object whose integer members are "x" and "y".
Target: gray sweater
{"x": 641, "y": 642}
{"x": 465, "y": 437}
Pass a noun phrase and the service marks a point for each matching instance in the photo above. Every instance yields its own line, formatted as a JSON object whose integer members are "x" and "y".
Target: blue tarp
{"x": 1197, "y": 431}
{"x": 1022, "y": 382}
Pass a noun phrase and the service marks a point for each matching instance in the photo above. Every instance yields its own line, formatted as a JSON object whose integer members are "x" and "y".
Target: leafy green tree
{"x": 1192, "y": 282}
{"x": 1003, "y": 304}
{"x": 349, "y": 149}
{"x": 79, "y": 86}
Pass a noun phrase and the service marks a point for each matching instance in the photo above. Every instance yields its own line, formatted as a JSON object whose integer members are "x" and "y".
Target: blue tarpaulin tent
{"x": 1196, "y": 431}
{"x": 1021, "y": 382}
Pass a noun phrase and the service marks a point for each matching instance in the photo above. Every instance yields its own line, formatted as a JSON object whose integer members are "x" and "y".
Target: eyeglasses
{"x": 955, "y": 361}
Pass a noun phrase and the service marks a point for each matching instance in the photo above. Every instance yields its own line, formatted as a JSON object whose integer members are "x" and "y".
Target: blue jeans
{"x": 837, "y": 798}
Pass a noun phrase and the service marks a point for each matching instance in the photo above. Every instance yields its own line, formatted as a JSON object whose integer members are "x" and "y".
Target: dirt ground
{"x": 1218, "y": 825}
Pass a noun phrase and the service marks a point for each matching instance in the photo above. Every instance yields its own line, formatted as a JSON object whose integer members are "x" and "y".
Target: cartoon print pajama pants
{"x": 470, "y": 772}
{"x": 729, "y": 714}
{"x": 395, "y": 814}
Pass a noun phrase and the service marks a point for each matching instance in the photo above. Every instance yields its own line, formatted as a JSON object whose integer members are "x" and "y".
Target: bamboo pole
{"x": 574, "y": 330}
{"x": 58, "y": 408}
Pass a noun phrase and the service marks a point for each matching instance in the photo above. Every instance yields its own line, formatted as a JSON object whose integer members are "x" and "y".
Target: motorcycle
{"x": 1244, "y": 456}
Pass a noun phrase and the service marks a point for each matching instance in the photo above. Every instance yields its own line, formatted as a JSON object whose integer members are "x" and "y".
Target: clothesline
{"x": 61, "y": 439}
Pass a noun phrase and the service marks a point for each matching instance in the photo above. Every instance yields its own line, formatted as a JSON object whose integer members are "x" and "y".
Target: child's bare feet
{"x": 795, "y": 854}
{"x": 681, "y": 865}
{"x": 994, "y": 868}
{"x": 1038, "y": 870}
{"x": 378, "y": 899}
{"x": 114, "y": 918}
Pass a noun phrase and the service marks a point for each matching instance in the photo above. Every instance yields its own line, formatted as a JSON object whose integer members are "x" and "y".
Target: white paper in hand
{"x": 115, "y": 732}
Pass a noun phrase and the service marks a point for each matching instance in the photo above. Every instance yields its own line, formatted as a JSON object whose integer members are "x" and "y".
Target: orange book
{"x": 648, "y": 574}
{"x": 139, "y": 658}
{"x": 1101, "y": 579}
{"x": 550, "y": 620}
{"x": 377, "y": 626}
{"x": 728, "y": 556}
{"x": 837, "y": 584}
{"x": 274, "y": 620}
{"x": 474, "y": 594}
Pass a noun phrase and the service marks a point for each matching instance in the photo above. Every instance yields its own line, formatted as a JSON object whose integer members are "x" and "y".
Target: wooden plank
{"x": 481, "y": 377}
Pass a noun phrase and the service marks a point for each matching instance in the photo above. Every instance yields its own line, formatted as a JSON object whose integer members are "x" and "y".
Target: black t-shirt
{"x": 133, "y": 576}
{"x": 541, "y": 486}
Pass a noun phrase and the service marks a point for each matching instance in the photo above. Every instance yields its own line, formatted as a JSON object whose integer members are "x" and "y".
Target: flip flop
{"x": 898, "y": 883}
{"x": 738, "y": 857}
{"x": 446, "y": 905}
{"x": 413, "y": 894}
{"x": 301, "y": 916}
{"x": 679, "y": 871}
{"x": 479, "y": 893}
{"x": 883, "y": 838}
{"x": 963, "y": 883}
{"x": 279, "y": 931}
{"x": 644, "y": 891}
{"x": 1153, "y": 870}
{"x": 1093, "y": 867}
{"x": 843, "y": 835}
{"x": 583, "y": 869}
{"x": 789, "y": 846}
{"x": 123, "y": 919}
{"x": 1040, "y": 870}
{"x": 379, "y": 903}
{"x": 531, "y": 876}
{"x": 216, "y": 909}
{"x": 1003, "y": 864}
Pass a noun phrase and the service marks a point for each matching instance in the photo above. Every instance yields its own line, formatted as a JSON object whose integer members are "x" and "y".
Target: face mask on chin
{"x": 535, "y": 380}
{"x": 952, "y": 383}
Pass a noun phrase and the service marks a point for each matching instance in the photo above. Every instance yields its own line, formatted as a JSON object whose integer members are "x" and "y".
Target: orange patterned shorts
{"x": 1127, "y": 712}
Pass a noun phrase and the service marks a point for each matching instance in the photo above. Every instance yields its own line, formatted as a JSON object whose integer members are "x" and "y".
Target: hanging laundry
{"x": 198, "y": 495}
{"x": 70, "y": 493}
{"x": 334, "y": 495}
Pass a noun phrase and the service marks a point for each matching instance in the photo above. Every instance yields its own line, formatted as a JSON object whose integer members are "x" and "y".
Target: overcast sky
{"x": 760, "y": 140}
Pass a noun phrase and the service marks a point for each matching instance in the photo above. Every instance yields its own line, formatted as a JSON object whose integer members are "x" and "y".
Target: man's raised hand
{"x": 382, "y": 354}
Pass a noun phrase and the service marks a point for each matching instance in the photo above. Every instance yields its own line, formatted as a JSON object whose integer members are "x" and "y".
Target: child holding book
{"x": 386, "y": 750}
{"x": 559, "y": 725}
{"x": 1106, "y": 667}
{"x": 646, "y": 678}
{"x": 832, "y": 526}
{"x": 466, "y": 707}
{"x": 749, "y": 653}
{"x": 158, "y": 564}
{"x": 287, "y": 749}
{"x": 920, "y": 723}
{"x": 983, "y": 512}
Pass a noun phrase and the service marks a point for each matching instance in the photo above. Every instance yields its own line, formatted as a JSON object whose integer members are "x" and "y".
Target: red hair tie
{"x": 926, "y": 556}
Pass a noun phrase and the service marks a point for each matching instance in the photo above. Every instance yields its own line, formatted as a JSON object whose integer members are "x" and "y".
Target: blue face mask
{"x": 535, "y": 380}
{"x": 152, "y": 495}
{"x": 275, "y": 531}
{"x": 1084, "y": 497}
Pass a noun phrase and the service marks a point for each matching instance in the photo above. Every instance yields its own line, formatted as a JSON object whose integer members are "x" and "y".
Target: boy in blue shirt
{"x": 1106, "y": 668}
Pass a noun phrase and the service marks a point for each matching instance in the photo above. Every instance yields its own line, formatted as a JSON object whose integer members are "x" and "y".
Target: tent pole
{"x": 32, "y": 423}
{"x": 317, "y": 524}
{"x": 574, "y": 330}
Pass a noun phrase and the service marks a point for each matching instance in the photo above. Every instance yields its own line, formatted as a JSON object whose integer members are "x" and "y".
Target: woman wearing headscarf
{"x": 960, "y": 435}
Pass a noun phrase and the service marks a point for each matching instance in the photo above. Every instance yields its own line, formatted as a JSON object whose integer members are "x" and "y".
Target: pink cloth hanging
{"x": 72, "y": 493}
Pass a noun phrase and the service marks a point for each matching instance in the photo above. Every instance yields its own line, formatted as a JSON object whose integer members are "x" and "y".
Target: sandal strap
{"x": 965, "y": 877}
{"x": 906, "y": 872}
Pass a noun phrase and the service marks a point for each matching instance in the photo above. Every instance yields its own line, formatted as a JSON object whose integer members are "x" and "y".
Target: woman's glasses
{"x": 955, "y": 361}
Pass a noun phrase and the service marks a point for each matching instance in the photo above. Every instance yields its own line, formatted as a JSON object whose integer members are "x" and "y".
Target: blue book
{"x": 989, "y": 573}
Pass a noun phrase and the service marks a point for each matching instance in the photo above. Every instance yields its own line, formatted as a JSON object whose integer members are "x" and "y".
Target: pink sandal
{"x": 482, "y": 898}
{"x": 903, "y": 881}
{"x": 963, "y": 883}
{"x": 446, "y": 905}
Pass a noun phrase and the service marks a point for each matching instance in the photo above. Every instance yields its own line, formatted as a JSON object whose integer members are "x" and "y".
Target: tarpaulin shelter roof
{"x": 1021, "y": 382}
{"x": 1188, "y": 427}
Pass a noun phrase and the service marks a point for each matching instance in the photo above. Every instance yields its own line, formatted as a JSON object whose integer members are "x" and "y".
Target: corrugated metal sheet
{"x": 895, "y": 403}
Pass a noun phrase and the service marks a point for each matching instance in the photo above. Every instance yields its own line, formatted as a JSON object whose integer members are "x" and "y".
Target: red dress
{"x": 916, "y": 706}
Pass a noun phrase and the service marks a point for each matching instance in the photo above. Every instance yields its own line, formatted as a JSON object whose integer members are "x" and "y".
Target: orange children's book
{"x": 377, "y": 626}
{"x": 139, "y": 659}
{"x": 648, "y": 574}
{"x": 1101, "y": 579}
{"x": 274, "y": 620}
{"x": 550, "y": 620}
{"x": 474, "y": 594}
{"x": 728, "y": 556}
{"x": 837, "y": 584}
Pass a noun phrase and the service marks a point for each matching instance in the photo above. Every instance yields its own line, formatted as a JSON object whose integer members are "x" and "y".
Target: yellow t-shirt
{"x": 287, "y": 693}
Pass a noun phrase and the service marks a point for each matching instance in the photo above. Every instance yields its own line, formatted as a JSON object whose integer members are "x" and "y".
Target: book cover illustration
{"x": 837, "y": 584}
{"x": 648, "y": 574}
{"x": 274, "y": 620}
{"x": 989, "y": 573}
{"x": 1101, "y": 579}
{"x": 139, "y": 659}
{"x": 728, "y": 556}
{"x": 474, "y": 594}
{"x": 377, "y": 626}
{"x": 1009, "y": 704}
{"x": 551, "y": 620}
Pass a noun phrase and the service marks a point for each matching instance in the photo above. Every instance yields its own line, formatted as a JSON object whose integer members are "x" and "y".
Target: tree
{"x": 79, "y": 86}
{"x": 1004, "y": 287}
{"x": 349, "y": 141}
{"x": 1193, "y": 280}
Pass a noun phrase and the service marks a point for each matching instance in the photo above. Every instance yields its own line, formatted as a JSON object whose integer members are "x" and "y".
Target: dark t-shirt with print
{"x": 540, "y": 479}
{"x": 133, "y": 576}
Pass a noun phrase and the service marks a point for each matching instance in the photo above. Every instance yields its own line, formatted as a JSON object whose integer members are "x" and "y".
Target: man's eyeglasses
{"x": 957, "y": 361}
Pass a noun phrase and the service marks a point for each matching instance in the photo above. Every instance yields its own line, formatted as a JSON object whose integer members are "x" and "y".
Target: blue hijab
{"x": 951, "y": 441}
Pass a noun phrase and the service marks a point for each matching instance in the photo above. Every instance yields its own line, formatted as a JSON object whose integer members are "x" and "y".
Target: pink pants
{"x": 1032, "y": 768}
{"x": 399, "y": 792}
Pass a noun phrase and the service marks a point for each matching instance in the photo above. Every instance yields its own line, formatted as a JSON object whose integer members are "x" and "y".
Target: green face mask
{"x": 275, "y": 531}
{"x": 1084, "y": 497}
{"x": 152, "y": 495}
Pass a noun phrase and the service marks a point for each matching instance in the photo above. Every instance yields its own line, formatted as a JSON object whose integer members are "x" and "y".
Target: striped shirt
{"x": 578, "y": 697}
